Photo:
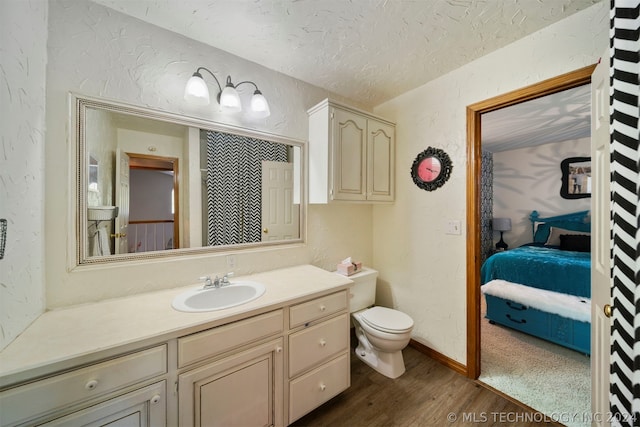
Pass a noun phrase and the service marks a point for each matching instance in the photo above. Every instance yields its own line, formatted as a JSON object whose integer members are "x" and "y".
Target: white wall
{"x": 23, "y": 55}
{"x": 422, "y": 269}
{"x": 529, "y": 179}
{"x": 99, "y": 52}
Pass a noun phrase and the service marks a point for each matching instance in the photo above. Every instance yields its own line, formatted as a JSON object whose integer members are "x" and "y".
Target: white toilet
{"x": 382, "y": 332}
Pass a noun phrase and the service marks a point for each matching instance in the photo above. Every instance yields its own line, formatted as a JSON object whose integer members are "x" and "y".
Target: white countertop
{"x": 62, "y": 338}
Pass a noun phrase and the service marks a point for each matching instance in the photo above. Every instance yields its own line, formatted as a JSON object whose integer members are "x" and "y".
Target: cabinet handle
{"x": 278, "y": 349}
{"x": 323, "y": 308}
{"x": 322, "y": 387}
{"x": 322, "y": 342}
{"x": 155, "y": 399}
{"x": 91, "y": 385}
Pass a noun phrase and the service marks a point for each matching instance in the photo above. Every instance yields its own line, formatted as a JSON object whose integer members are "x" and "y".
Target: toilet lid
{"x": 387, "y": 319}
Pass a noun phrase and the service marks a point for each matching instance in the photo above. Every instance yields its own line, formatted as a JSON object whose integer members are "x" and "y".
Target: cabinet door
{"x": 349, "y": 136}
{"x": 245, "y": 389}
{"x": 380, "y": 161}
{"x": 140, "y": 408}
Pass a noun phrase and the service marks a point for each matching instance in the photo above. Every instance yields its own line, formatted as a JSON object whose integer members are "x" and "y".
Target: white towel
{"x": 101, "y": 243}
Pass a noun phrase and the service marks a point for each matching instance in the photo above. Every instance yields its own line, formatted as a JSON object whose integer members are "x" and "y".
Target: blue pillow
{"x": 542, "y": 233}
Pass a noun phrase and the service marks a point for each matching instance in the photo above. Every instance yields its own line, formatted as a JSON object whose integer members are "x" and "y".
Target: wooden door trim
{"x": 474, "y": 157}
{"x": 148, "y": 161}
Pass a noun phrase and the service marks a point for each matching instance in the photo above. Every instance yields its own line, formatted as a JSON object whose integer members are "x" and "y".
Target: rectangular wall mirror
{"x": 154, "y": 184}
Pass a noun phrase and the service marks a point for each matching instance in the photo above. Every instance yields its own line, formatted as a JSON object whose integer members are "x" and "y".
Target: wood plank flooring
{"x": 428, "y": 394}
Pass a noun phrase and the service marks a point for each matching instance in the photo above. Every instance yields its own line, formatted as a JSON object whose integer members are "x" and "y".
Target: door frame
{"x": 162, "y": 163}
{"x": 569, "y": 80}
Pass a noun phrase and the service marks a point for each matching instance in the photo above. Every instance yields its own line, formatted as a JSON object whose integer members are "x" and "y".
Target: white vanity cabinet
{"x": 241, "y": 381}
{"x": 104, "y": 393}
{"x": 351, "y": 155}
{"x": 318, "y": 359}
{"x": 264, "y": 364}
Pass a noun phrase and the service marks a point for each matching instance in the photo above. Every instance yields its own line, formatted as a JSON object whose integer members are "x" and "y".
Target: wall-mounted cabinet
{"x": 351, "y": 155}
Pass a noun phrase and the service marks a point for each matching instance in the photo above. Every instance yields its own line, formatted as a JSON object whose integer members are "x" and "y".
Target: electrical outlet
{"x": 454, "y": 227}
{"x": 231, "y": 262}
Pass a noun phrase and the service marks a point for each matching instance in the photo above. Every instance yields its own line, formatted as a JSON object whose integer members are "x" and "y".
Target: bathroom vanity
{"x": 137, "y": 360}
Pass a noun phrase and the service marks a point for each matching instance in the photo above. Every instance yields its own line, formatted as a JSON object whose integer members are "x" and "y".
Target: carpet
{"x": 551, "y": 379}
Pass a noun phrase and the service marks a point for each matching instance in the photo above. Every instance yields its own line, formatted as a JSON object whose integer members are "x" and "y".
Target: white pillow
{"x": 554, "y": 235}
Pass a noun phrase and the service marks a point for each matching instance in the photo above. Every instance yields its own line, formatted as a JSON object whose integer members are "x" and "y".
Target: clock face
{"x": 429, "y": 169}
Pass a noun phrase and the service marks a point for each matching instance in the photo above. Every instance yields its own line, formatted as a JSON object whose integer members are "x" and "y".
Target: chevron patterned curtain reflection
{"x": 234, "y": 186}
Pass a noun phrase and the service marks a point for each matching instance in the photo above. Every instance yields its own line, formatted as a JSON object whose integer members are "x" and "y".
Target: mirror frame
{"x": 79, "y": 158}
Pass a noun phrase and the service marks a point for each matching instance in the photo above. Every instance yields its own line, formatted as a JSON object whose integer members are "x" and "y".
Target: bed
{"x": 543, "y": 288}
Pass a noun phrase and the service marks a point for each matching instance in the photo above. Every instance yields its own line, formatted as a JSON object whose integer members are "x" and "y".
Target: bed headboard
{"x": 576, "y": 221}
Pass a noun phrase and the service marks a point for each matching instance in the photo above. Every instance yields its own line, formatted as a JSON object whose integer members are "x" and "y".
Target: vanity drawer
{"x": 203, "y": 345}
{"x": 60, "y": 391}
{"x": 317, "y": 308}
{"x": 316, "y": 387}
{"x": 317, "y": 343}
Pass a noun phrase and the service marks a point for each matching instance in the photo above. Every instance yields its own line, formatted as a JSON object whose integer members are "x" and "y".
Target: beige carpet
{"x": 552, "y": 379}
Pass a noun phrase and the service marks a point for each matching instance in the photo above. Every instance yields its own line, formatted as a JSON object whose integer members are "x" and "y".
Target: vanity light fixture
{"x": 196, "y": 91}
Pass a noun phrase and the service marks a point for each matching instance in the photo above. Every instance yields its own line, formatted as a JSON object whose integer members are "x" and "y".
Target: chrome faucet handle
{"x": 207, "y": 281}
{"x": 225, "y": 279}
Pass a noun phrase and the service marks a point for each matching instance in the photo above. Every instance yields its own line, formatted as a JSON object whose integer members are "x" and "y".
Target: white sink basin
{"x": 199, "y": 299}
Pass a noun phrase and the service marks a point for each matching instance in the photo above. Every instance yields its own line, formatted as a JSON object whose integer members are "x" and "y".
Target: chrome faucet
{"x": 217, "y": 282}
{"x": 207, "y": 282}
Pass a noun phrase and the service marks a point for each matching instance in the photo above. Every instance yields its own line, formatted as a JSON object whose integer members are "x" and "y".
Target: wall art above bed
{"x": 576, "y": 177}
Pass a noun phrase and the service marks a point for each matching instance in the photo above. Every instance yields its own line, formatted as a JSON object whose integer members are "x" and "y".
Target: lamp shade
{"x": 196, "y": 90}
{"x": 259, "y": 105}
{"x": 501, "y": 224}
{"x": 230, "y": 100}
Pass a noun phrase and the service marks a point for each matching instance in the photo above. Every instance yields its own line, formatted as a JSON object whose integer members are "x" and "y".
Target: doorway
{"x": 474, "y": 157}
{"x": 154, "y": 206}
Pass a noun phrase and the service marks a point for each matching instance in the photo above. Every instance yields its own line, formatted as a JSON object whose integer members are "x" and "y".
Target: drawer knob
{"x": 323, "y": 342}
{"x": 91, "y": 385}
{"x": 155, "y": 399}
{"x": 278, "y": 349}
{"x": 322, "y": 387}
{"x": 323, "y": 308}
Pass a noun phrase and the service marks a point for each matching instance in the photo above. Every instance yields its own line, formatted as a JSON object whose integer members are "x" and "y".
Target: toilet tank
{"x": 363, "y": 292}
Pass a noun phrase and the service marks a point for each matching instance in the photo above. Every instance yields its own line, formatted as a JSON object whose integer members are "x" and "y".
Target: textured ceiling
{"x": 559, "y": 117}
{"x": 367, "y": 50}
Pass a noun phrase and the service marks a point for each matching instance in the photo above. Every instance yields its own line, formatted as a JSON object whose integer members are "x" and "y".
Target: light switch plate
{"x": 454, "y": 227}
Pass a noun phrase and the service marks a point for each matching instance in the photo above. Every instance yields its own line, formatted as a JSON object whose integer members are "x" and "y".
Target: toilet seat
{"x": 387, "y": 320}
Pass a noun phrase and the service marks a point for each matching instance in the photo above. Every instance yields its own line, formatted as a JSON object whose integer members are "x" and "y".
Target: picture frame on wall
{"x": 576, "y": 178}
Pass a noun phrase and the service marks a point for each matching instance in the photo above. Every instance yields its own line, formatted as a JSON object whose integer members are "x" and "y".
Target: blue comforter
{"x": 547, "y": 268}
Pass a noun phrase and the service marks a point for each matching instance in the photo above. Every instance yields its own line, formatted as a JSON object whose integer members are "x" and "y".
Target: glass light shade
{"x": 196, "y": 90}
{"x": 259, "y": 105}
{"x": 230, "y": 100}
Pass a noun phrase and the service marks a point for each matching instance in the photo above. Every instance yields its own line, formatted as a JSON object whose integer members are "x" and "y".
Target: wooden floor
{"x": 427, "y": 394}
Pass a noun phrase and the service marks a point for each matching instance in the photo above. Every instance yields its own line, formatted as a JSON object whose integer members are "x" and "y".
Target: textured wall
{"x": 96, "y": 51}
{"x": 23, "y": 50}
{"x": 529, "y": 179}
{"x": 423, "y": 270}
